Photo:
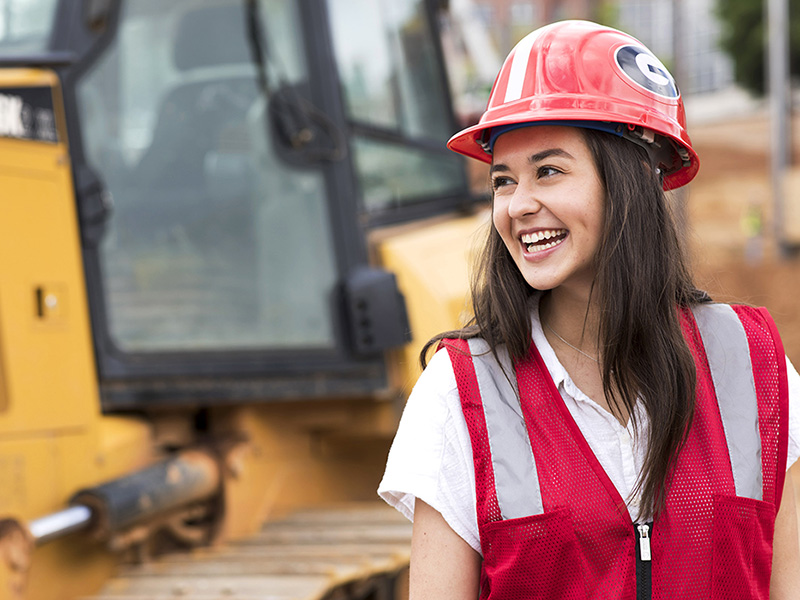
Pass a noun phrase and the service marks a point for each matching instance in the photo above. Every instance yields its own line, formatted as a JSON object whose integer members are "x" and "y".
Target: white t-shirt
{"x": 431, "y": 457}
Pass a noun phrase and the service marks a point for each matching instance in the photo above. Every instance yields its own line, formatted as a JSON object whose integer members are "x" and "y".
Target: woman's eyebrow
{"x": 545, "y": 154}
{"x": 535, "y": 158}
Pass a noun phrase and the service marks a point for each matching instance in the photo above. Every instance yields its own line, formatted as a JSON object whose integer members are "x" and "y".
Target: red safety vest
{"x": 552, "y": 525}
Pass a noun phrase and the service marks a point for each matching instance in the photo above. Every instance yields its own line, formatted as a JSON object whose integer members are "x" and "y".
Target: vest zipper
{"x": 644, "y": 582}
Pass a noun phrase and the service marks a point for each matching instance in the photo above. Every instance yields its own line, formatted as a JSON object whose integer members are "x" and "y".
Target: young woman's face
{"x": 548, "y": 205}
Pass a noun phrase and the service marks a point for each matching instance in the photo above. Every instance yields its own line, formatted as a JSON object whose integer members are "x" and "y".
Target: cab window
{"x": 25, "y": 26}
{"x": 397, "y": 102}
{"x": 214, "y": 243}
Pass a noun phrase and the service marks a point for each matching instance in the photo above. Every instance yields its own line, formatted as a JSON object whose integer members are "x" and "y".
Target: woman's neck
{"x": 571, "y": 324}
{"x": 572, "y": 317}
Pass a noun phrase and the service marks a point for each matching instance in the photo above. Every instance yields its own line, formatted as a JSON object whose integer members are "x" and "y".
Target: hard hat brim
{"x": 469, "y": 141}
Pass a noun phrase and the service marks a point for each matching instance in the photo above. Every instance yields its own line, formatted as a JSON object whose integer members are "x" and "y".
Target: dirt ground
{"x": 730, "y": 230}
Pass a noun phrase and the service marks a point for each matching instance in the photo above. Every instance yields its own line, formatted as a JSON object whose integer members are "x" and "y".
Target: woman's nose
{"x": 523, "y": 202}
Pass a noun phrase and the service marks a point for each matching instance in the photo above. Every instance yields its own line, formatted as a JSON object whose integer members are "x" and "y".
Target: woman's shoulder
{"x": 437, "y": 379}
{"x": 755, "y": 321}
{"x": 431, "y": 458}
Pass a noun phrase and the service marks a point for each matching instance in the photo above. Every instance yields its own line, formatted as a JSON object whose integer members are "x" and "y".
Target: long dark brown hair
{"x": 641, "y": 279}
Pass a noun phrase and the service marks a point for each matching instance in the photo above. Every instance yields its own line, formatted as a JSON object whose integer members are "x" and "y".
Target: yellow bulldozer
{"x": 226, "y": 227}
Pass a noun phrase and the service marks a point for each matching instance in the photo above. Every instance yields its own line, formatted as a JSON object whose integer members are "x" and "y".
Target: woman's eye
{"x": 498, "y": 182}
{"x": 547, "y": 171}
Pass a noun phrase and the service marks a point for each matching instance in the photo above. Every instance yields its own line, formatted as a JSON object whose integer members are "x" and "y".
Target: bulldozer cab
{"x": 229, "y": 159}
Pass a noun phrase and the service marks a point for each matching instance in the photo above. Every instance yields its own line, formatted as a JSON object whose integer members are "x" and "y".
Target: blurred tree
{"x": 607, "y": 13}
{"x": 743, "y": 39}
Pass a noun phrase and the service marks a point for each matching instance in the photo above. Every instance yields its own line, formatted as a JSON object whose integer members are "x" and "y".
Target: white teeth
{"x": 532, "y": 238}
{"x": 539, "y": 248}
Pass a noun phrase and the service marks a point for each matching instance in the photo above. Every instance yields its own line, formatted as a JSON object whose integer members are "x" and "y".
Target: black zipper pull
{"x": 644, "y": 560}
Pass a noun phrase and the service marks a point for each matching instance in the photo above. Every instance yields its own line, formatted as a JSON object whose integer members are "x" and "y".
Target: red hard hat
{"x": 584, "y": 74}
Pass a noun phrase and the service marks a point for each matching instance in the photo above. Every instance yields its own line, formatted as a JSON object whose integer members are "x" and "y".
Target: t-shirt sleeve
{"x": 431, "y": 456}
{"x": 794, "y": 414}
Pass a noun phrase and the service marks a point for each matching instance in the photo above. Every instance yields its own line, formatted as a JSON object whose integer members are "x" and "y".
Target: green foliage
{"x": 743, "y": 38}
{"x": 607, "y": 13}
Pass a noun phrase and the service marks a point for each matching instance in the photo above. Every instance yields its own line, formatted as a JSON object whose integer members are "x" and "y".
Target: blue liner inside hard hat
{"x": 496, "y": 132}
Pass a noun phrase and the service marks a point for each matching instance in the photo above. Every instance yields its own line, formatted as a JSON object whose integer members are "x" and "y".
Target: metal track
{"x": 353, "y": 552}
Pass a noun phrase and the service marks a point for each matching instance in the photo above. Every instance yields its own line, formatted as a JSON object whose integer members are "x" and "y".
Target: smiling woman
{"x": 548, "y": 206}
{"x": 599, "y": 411}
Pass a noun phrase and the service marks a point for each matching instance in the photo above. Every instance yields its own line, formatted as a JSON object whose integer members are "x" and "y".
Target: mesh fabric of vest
{"x": 706, "y": 543}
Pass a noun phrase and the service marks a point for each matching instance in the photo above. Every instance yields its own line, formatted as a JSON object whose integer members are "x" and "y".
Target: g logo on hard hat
{"x": 645, "y": 70}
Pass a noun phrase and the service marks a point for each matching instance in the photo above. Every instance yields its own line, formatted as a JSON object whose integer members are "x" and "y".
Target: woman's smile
{"x": 536, "y": 242}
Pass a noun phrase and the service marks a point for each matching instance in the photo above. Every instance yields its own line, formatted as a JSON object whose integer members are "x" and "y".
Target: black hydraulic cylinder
{"x": 188, "y": 477}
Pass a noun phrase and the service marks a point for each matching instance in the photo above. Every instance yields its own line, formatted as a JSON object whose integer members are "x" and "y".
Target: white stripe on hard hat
{"x": 519, "y": 66}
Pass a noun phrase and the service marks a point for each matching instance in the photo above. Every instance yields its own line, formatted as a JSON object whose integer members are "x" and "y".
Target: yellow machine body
{"x": 53, "y": 438}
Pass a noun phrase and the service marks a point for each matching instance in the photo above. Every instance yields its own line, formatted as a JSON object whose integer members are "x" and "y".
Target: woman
{"x": 600, "y": 429}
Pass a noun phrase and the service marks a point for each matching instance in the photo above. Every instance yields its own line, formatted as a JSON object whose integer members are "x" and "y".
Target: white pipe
{"x": 60, "y": 523}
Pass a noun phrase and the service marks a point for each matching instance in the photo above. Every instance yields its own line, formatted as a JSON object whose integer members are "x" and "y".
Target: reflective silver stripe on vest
{"x": 728, "y": 356}
{"x": 515, "y": 475}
